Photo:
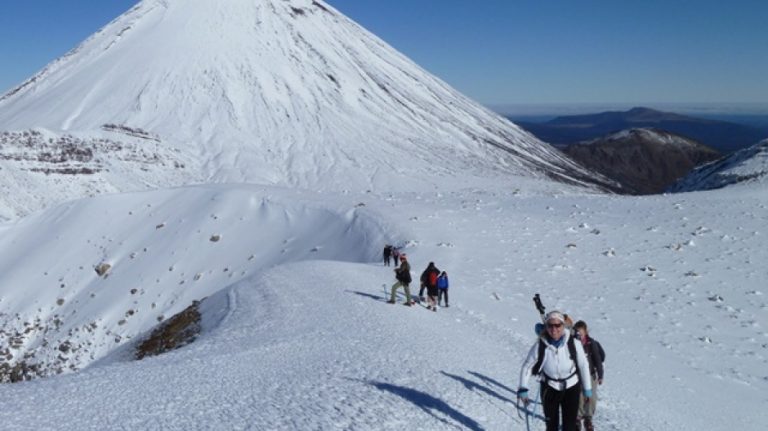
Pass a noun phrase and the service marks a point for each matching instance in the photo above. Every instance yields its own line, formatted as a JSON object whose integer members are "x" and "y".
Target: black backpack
{"x": 600, "y": 349}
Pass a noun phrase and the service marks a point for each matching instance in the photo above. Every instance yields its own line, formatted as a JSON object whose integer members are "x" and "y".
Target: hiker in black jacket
{"x": 387, "y": 254}
{"x": 595, "y": 357}
{"x": 403, "y": 276}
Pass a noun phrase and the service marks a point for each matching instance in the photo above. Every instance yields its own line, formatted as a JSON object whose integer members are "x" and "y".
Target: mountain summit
{"x": 287, "y": 92}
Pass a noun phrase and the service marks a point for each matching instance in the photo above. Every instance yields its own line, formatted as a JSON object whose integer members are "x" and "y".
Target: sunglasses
{"x": 554, "y": 325}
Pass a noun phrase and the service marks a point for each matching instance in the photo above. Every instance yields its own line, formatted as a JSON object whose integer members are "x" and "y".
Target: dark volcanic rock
{"x": 644, "y": 161}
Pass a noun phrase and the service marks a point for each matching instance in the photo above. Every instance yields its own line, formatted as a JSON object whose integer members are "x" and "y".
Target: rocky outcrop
{"x": 643, "y": 161}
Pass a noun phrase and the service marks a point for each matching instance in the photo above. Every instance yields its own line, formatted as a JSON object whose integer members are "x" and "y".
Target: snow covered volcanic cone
{"x": 277, "y": 92}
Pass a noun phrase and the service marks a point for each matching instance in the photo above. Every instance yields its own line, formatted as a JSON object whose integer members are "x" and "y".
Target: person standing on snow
{"x": 396, "y": 255}
{"x": 595, "y": 357}
{"x": 387, "y": 254}
{"x": 442, "y": 288}
{"x": 403, "y": 276}
{"x": 563, "y": 370}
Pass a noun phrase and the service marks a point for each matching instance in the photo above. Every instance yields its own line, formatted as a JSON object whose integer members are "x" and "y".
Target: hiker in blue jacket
{"x": 442, "y": 288}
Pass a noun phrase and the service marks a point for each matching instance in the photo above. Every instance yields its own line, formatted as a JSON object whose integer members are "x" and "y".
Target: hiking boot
{"x": 408, "y": 304}
{"x": 588, "y": 424}
{"x": 390, "y": 302}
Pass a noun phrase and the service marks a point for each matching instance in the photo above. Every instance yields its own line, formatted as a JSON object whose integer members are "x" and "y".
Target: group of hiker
{"x": 569, "y": 366}
{"x": 434, "y": 281}
{"x": 565, "y": 360}
{"x": 391, "y": 253}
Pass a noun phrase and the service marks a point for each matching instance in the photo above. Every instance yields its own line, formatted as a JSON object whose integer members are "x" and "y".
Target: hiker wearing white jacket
{"x": 562, "y": 369}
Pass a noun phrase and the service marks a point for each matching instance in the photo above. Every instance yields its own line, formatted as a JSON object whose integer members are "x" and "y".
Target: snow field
{"x": 309, "y": 343}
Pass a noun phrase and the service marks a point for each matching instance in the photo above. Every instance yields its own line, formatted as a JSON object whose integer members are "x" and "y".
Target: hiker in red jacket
{"x": 429, "y": 282}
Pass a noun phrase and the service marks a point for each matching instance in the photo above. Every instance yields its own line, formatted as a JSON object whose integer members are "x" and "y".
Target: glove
{"x": 588, "y": 393}
{"x": 522, "y": 395}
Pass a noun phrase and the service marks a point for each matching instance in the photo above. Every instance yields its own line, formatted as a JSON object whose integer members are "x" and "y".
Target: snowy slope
{"x": 297, "y": 335}
{"x": 749, "y": 165}
{"x": 276, "y": 92}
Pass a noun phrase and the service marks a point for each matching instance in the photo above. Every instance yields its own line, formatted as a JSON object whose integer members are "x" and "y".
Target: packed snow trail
{"x": 298, "y": 352}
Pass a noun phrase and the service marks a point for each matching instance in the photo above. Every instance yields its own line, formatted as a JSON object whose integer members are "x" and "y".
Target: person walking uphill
{"x": 403, "y": 276}
{"x": 428, "y": 279}
{"x": 595, "y": 357}
{"x": 563, "y": 371}
{"x": 442, "y": 288}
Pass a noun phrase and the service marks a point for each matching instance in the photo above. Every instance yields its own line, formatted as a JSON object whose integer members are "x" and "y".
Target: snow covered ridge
{"x": 660, "y": 137}
{"x": 40, "y": 167}
{"x": 749, "y": 165}
{"x": 98, "y": 273}
{"x": 288, "y": 93}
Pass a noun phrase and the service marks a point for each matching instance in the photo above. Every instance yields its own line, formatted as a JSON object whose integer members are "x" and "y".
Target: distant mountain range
{"x": 723, "y": 136}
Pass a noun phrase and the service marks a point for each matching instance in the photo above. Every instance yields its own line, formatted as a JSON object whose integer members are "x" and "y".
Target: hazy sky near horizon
{"x": 500, "y": 51}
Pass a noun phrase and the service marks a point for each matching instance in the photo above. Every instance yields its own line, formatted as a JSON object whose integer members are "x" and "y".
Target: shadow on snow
{"x": 429, "y": 404}
{"x": 474, "y": 386}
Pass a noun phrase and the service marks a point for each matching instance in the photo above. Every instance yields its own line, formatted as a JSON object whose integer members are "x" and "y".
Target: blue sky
{"x": 501, "y": 51}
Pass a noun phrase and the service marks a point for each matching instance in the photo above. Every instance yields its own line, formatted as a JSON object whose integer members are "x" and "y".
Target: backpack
{"x": 433, "y": 278}
{"x": 542, "y": 347}
{"x": 600, "y": 349}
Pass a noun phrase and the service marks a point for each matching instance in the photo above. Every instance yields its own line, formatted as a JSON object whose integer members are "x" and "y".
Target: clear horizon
{"x": 502, "y": 53}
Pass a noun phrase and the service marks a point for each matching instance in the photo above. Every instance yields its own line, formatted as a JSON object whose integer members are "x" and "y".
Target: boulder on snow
{"x": 103, "y": 269}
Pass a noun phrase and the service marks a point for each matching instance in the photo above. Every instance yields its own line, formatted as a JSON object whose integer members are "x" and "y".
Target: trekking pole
{"x": 527, "y": 414}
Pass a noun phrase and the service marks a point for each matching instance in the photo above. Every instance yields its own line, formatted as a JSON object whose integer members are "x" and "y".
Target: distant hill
{"x": 749, "y": 165}
{"x": 724, "y": 136}
{"x": 643, "y": 161}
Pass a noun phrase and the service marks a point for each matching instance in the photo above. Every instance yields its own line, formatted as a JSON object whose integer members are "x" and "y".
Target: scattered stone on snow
{"x": 102, "y": 269}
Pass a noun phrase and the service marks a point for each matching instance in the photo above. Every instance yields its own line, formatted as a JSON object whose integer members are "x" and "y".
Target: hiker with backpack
{"x": 562, "y": 368}
{"x": 429, "y": 282}
{"x": 403, "y": 276}
{"x": 442, "y": 288}
{"x": 595, "y": 357}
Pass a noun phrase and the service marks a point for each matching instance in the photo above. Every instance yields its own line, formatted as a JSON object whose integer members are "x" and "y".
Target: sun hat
{"x": 556, "y": 315}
